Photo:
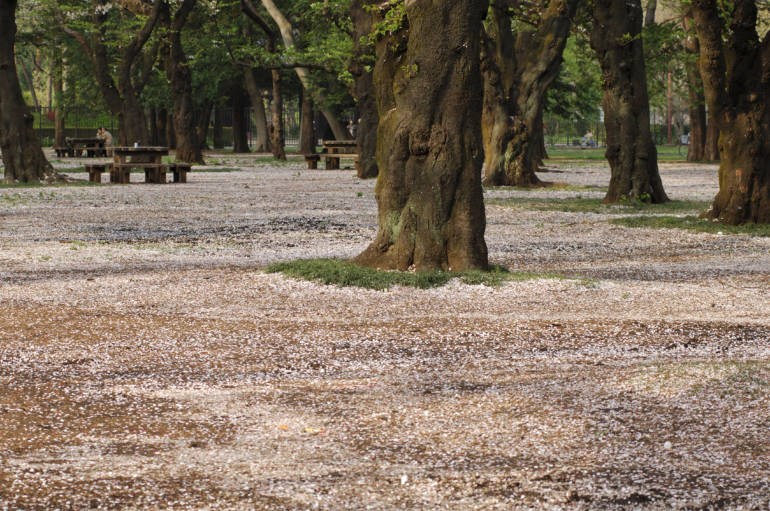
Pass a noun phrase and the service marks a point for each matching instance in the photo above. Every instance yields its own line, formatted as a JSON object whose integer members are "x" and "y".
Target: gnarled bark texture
{"x": 363, "y": 89}
{"x": 431, "y": 212}
{"x": 22, "y": 155}
{"x": 518, "y": 69}
{"x": 735, "y": 66}
{"x": 188, "y": 146}
{"x": 630, "y": 149}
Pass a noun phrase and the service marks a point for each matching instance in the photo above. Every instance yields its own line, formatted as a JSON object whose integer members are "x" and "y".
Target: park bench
{"x": 153, "y": 172}
{"x": 179, "y": 171}
{"x": 95, "y": 171}
{"x": 332, "y": 152}
{"x": 62, "y": 152}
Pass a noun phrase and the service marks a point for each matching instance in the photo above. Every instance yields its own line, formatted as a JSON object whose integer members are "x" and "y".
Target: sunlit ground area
{"x": 148, "y": 360}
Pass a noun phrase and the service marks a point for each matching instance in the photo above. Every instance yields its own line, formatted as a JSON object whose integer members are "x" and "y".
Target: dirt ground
{"x": 148, "y": 362}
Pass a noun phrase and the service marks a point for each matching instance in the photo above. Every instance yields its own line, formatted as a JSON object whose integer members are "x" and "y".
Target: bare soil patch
{"x": 147, "y": 361}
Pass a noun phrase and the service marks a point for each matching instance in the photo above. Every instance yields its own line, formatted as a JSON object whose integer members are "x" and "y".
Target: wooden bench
{"x": 92, "y": 152}
{"x": 153, "y": 172}
{"x": 332, "y": 160}
{"x": 312, "y": 160}
{"x": 179, "y": 170}
{"x": 95, "y": 171}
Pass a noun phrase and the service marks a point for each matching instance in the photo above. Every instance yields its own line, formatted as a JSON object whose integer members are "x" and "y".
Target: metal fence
{"x": 83, "y": 122}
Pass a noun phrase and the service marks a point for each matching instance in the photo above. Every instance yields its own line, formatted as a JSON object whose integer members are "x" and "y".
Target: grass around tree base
{"x": 592, "y": 205}
{"x": 345, "y": 274}
{"x": 692, "y": 223}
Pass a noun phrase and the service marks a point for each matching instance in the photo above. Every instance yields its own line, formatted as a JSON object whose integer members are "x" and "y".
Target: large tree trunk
{"x": 277, "y": 140}
{"x": 262, "y": 136}
{"x": 518, "y": 69}
{"x": 431, "y": 211}
{"x": 22, "y": 155}
{"x": 307, "y": 139}
{"x": 240, "y": 123}
{"x": 734, "y": 65}
{"x": 363, "y": 89}
{"x": 188, "y": 146}
{"x": 161, "y": 120}
{"x": 630, "y": 149}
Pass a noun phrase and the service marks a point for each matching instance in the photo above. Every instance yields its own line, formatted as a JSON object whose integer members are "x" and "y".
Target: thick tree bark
{"x": 734, "y": 65}
{"x": 711, "y": 152}
{"x": 630, "y": 149}
{"x": 261, "y": 136}
{"x": 363, "y": 89}
{"x": 161, "y": 119}
{"x": 649, "y": 13}
{"x": 518, "y": 69}
{"x": 188, "y": 146}
{"x": 429, "y": 153}
{"x": 277, "y": 139}
{"x": 240, "y": 123}
{"x": 22, "y": 155}
{"x": 307, "y": 139}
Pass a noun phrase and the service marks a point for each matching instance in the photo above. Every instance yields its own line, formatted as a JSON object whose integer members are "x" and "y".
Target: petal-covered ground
{"x": 147, "y": 360}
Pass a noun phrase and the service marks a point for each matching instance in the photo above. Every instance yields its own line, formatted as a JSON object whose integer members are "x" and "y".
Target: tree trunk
{"x": 363, "y": 89}
{"x": 219, "y": 137}
{"x": 28, "y": 77}
{"x": 649, "y": 14}
{"x": 429, "y": 153}
{"x": 734, "y": 64}
{"x": 161, "y": 121}
{"x": 154, "y": 134}
{"x": 262, "y": 136}
{"x": 240, "y": 123}
{"x": 277, "y": 141}
{"x": 518, "y": 69}
{"x": 202, "y": 121}
{"x": 58, "y": 87}
{"x": 696, "y": 101}
{"x": 170, "y": 133}
{"x": 188, "y": 145}
{"x": 287, "y": 34}
{"x": 22, "y": 155}
{"x": 711, "y": 152}
{"x": 630, "y": 149}
{"x": 307, "y": 139}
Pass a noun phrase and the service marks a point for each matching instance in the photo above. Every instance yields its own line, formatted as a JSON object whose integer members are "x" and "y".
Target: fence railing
{"x": 83, "y": 122}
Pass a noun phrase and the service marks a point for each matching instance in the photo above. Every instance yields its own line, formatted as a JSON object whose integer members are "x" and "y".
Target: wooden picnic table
{"x": 92, "y": 145}
{"x": 149, "y": 158}
{"x": 332, "y": 151}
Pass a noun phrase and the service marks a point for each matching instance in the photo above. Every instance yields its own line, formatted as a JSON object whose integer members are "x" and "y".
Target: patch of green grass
{"x": 341, "y": 273}
{"x": 692, "y": 223}
{"x": 591, "y": 205}
{"x": 665, "y": 153}
{"x": 45, "y": 185}
{"x": 556, "y": 187}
